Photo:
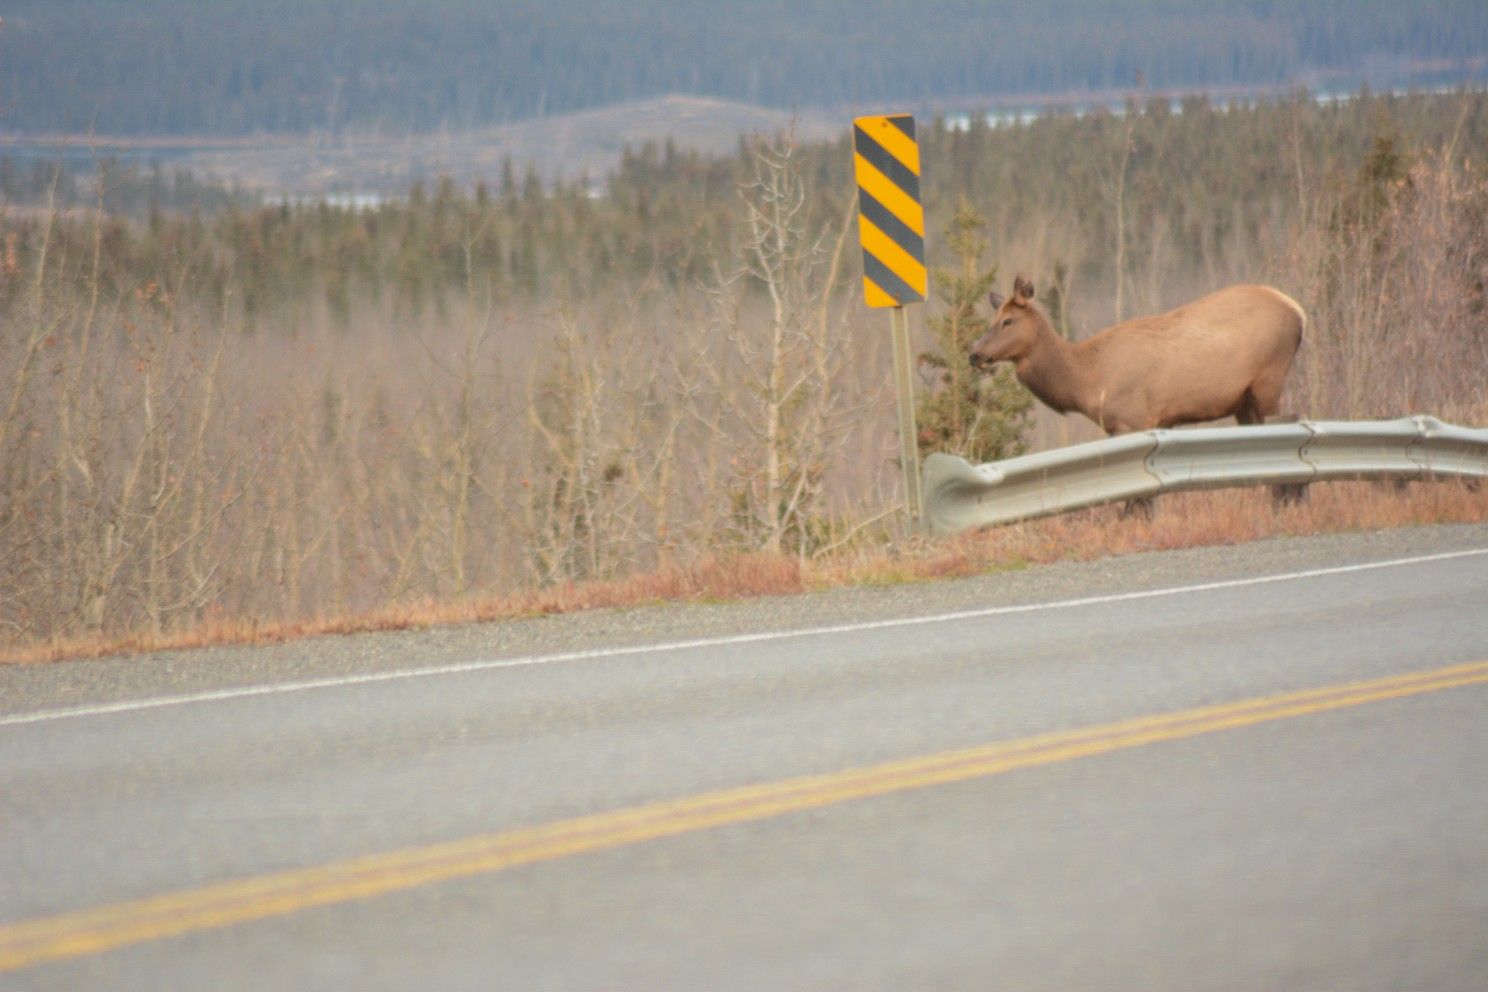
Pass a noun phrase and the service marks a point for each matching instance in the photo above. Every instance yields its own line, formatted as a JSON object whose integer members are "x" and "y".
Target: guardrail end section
{"x": 947, "y": 477}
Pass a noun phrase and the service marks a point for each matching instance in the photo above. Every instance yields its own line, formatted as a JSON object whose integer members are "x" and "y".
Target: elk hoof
{"x": 1289, "y": 494}
{"x": 1144, "y": 508}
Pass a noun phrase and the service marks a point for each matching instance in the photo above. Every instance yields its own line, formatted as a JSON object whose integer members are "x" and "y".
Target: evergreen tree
{"x": 981, "y": 418}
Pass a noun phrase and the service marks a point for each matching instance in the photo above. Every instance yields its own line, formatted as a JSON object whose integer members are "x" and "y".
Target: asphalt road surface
{"x": 1252, "y": 768}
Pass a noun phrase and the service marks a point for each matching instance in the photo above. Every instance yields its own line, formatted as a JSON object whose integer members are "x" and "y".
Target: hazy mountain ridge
{"x": 234, "y": 67}
{"x": 571, "y": 146}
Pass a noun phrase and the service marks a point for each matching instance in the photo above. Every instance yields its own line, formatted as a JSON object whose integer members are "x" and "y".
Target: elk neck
{"x": 1055, "y": 372}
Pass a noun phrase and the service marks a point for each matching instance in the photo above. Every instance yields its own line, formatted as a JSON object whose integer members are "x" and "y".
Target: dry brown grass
{"x": 1184, "y": 520}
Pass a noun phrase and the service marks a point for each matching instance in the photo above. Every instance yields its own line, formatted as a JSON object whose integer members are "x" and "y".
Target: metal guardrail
{"x": 960, "y": 496}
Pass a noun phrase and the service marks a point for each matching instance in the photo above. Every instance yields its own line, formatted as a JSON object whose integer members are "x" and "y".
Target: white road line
{"x": 131, "y": 705}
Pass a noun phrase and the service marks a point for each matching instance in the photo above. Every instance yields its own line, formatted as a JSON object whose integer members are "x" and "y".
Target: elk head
{"x": 1015, "y": 326}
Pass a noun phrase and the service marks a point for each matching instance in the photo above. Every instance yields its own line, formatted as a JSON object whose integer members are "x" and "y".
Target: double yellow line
{"x": 91, "y": 931}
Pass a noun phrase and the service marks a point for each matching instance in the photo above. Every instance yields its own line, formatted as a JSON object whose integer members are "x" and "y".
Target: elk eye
{"x": 1007, "y": 321}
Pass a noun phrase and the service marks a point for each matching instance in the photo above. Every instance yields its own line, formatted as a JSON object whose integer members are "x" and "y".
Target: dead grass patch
{"x": 1182, "y": 521}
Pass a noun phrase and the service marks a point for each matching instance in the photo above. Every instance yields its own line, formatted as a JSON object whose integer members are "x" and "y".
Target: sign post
{"x": 891, "y": 225}
{"x": 909, "y": 449}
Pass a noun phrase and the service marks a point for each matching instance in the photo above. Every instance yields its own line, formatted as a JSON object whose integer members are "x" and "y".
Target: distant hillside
{"x": 568, "y": 146}
{"x": 238, "y": 67}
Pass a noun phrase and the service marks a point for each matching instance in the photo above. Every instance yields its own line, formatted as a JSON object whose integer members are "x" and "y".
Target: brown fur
{"x": 1226, "y": 354}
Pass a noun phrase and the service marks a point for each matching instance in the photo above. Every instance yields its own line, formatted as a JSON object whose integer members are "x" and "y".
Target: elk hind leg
{"x": 1142, "y": 507}
{"x": 1251, "y": 410}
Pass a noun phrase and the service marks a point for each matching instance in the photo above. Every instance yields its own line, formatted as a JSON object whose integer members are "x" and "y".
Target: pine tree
{"x": 981, "y": 418}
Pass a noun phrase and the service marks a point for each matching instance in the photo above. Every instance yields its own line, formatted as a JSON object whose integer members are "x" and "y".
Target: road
{"x": 1248, "y": 768}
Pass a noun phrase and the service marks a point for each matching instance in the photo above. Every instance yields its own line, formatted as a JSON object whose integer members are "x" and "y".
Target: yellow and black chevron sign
{"x": 891, "y": 221}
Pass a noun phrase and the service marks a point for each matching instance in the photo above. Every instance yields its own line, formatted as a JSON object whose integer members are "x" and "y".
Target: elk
{"x": 1226, "y": 354}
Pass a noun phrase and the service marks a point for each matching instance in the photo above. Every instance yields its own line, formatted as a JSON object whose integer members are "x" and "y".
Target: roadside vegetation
{"x": 248, "y": 422}
{"x": 1186, "y": 520}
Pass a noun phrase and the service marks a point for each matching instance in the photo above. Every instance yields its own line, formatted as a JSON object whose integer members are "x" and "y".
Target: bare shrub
{"x": 604, "y": 420}
{"x": 1393, "y": 271}
{"x": 122, "y": 484}
{"x": 776, "y": 374}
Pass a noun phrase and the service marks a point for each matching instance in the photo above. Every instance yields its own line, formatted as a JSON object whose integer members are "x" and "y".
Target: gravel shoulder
{"x": 28, "y": 688}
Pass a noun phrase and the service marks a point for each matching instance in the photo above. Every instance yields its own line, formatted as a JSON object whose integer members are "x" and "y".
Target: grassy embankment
{"x": 1182, "y": 521}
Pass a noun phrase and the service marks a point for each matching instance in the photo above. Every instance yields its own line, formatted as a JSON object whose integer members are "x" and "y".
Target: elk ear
{"x": 1022, "y": 291}
{"x": 996, "y": 299}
